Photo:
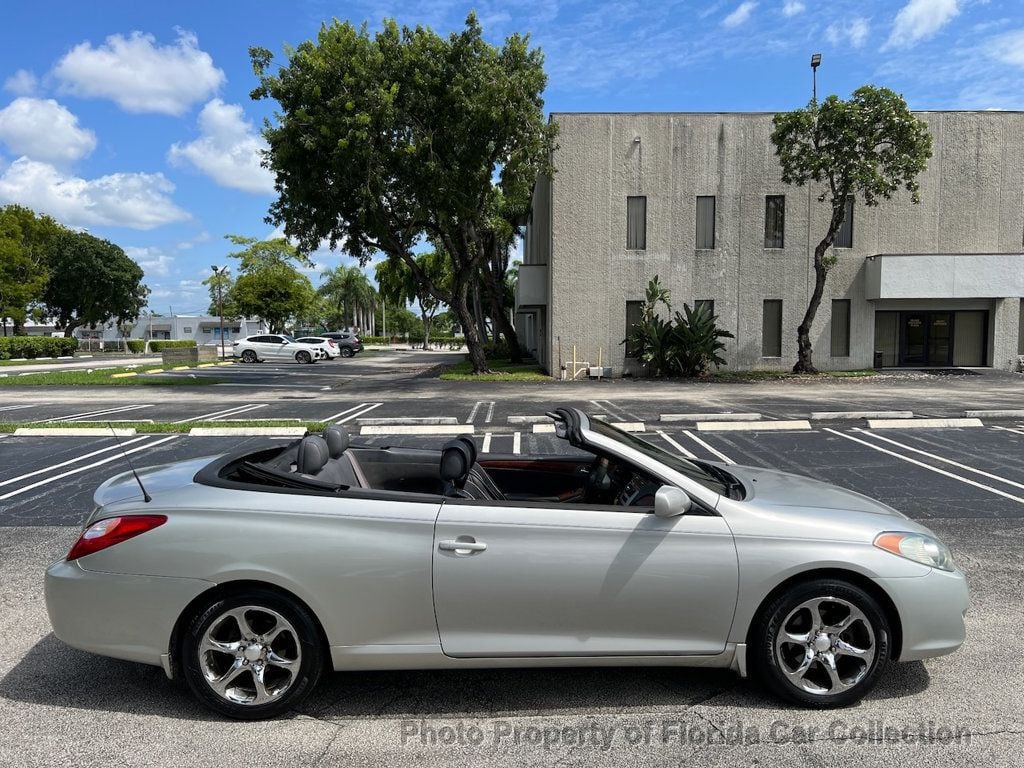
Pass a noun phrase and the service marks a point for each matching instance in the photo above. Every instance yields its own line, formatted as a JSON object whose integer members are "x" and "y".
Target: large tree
{"x": 349, "y": 293}
{"x": 91, "y": 282}
{"x": 399, "y": 285}
{"x": 269, "y": 285}
{"x": 866, "y": 147}
{"x": 383, "y": 141}
{"x": 25, "y": 242}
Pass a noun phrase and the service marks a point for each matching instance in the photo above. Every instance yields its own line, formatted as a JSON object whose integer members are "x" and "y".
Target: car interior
{"x": 328, "y": 463}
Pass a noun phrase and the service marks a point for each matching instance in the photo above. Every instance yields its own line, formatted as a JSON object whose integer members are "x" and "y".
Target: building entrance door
{"x": 926, "y": 338}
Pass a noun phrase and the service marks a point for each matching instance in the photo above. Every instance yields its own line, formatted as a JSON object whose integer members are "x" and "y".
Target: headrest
{"x": 456, "y": 461}
{"x": 312, "y": 455}
{"x": 337, "y": 440}
{"x": 468, "y": 442}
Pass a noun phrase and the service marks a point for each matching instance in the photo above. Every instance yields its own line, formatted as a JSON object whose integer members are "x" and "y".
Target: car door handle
{"x": 461, "y": 547}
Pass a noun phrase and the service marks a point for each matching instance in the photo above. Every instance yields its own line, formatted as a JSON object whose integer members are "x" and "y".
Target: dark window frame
{"x": 844, "y": 237}
{"x": 774, "y": 222}
{"x": 776, "y": 349}
{"x": 845, "y": 325}
{"x": 629, "y": 327}
{"x": 636, "y": 241}
{"x": 714, "y": 223}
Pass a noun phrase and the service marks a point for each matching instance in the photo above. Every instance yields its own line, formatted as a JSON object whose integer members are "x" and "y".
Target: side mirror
{"x": 669, "y": 501}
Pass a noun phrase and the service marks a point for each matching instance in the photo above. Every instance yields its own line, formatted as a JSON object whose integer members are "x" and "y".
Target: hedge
{"x": 136, "y": 345}
{"x": 36, "y": 346}
{"x": 452, "y": 342}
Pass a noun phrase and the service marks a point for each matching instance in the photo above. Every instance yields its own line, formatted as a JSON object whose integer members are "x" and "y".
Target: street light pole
{"x": 815, "y": 62}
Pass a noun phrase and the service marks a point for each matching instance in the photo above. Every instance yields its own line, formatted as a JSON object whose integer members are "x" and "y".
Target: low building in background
{"x": 698, "y": 199}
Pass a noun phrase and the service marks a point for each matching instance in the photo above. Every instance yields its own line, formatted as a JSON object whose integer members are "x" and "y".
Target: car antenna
{"x": 145, "y": 496}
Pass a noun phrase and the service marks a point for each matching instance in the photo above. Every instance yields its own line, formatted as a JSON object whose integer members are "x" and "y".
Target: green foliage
{"x": 219, "y": 285}
{"x": 686, "y": 346}
{"x": 25, "y": 242}
{"x": 136, "y": 345}
{"x": 159, "y": 344}
{"x": 346, "y": 291}
{"x": 869, "y": 146}
{"x": 695, "y": 341}
{"x": 36, "y": 346}
{"x": 275, "y": 293}
{"x": 258, "y": 254}
{"x": 385, "y": 140}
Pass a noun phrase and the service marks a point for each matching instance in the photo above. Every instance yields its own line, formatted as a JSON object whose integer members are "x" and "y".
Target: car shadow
{"x": 53, "y": 674}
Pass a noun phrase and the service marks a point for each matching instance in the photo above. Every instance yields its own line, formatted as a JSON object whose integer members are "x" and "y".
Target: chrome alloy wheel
{"x": 250, "y": 655}
{"x": 825, "y": 646}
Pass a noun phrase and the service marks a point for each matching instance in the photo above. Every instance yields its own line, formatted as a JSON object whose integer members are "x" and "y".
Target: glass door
{"x": 914, "y": 338}
{"x": 940, "y": 338}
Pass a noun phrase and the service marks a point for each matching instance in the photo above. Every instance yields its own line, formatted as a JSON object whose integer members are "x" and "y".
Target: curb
{"x": 837, "y": 415}
{"x": 419, "y": 429}
{"x": 407, "y": 421}
{"x": 625, "y": 426}
{"x": 74, "y": 431}
{"x": 667, "y": 418}
{"x": 750, "y": 426}
{"x": 997, "y": 414}
{"x": 247, "y": 432}
{"x": 922, "y": 423}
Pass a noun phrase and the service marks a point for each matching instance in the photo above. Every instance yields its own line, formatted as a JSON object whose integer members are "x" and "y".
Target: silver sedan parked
{"x": 354, "y": 557}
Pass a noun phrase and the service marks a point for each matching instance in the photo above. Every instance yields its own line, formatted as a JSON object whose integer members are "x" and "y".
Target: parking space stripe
{"x": 1011, "y": 429}
{"x": 104, "y": 412}
{"x": 342, "y": 413}
{"x": 517, "y": 443}
{"x": 20, "y": 407}
{"x": 490, "y": 412}
{"x": 486, "y": 447}
{"x": 356, "y": 412}
{"x": 677, "y": 446}
{"x": 223, "y": 412}
{"x": 107, "y": 460}
{"x": 929, "y": 467}
{"x": 713, "y": 450}
{"x": 989, "y": 475}
{"x": 69, "y": 461}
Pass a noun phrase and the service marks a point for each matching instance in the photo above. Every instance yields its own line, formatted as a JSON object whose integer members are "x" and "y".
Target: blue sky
{"x": 133, "y": 119}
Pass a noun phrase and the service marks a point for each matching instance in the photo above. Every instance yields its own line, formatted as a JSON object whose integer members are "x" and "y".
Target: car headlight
{"x": 918, "y": 547}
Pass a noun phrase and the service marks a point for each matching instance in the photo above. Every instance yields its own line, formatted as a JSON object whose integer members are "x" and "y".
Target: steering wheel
{"x": 599, "y": 482}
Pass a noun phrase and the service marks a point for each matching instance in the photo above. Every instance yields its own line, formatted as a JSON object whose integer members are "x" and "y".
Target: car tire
{"x": 231, "y": 671}
{"x": 249, "y": 356}
{"x": 821, "y": 644}
{"x": 303, "y": 357}
{"x": 347, "y": 352}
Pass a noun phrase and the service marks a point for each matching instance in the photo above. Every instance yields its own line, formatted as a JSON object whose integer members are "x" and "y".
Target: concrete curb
{"x": 528, "y": 419}
{"x": 625, "y": 426}
{"x": 123, "y": 375}
{"x": 696, "y": 417}
{"x": 838, "y": 415}
{"x": 74, "y": 431}
{"x": 407, "y": 421}
{"x": 751, "y": 426}
{"x": 247, "y": 431}
{"x": 922, "y": 423}
{"x": 996, "y": 414}
{"x": 419, "y": 429}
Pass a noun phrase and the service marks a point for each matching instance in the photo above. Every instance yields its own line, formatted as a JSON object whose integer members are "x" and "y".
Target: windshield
{"x": 682, "y": 465}
{"x": 289, "y": 338}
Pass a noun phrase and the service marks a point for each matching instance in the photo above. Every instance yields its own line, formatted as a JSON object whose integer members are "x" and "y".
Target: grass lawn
{"x": 502, "y": 370}
{"x": 163, "y": 427}
{"x": 106, "y": 378}
{"x": 752, "y": 376}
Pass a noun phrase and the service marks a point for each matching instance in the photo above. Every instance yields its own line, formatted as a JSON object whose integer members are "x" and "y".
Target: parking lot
{"x": 966, "y": 483}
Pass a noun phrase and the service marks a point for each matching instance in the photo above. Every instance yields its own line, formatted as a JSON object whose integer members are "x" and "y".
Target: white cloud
{"x": 136, "y": 200}
{"x": 139, "y": 74}
{"x": 1008, "y": 48}
{"x": 919, "y": 20}
{"x": 22, "y": 83}
{"x": 227, "y": 150}
{"x": 44, "y": 130}
{"x": 793, "y": 7}
{"x": 854, "y": 32}
{"x": 154, "y": 262}
{"x": 740, "y": 15}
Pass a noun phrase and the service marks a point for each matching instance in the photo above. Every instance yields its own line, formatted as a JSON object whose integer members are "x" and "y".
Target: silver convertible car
{"x": 252, "y": 574}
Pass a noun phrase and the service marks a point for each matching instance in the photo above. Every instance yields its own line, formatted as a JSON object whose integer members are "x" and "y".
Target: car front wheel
{"x": 248, "y": 356}
{"x": 303, "y": 357}
{"x": 253, "y": 655}
{"x": 822, "y": 644}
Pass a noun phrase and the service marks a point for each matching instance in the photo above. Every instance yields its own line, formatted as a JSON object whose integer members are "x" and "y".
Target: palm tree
{"x": 349, "y": 293}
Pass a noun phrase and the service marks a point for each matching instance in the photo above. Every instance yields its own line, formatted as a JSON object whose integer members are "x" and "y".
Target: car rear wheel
{"x": 822, "y": 644}
{"x": 347, "y": 352}
{"x": 248, "y": 356}
{"x": 253, "y": 655}
{"x": 303, "y": 357}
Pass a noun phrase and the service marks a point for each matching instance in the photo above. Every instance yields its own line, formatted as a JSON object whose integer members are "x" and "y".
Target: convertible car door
{"x": 546, "y": 579}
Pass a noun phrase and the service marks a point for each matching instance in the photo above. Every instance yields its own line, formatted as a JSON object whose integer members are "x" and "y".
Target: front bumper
{"x": 122, "y": 616}
{"x": 931, "y": 609}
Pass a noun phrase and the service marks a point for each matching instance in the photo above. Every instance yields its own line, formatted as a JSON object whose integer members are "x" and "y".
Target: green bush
{"x": 438, "y": 342}
{"x": 157, "y": 345}
{"x": 136, "y": 345}
{"x": 36, "y": 346}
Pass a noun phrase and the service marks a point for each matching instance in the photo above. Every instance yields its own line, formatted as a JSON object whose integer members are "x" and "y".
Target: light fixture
{"x": 815, "y": 60}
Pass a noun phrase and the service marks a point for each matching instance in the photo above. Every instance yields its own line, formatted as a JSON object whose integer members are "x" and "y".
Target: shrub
{"x": 36, "y": 346}
{"x": 136, "y": 345}
{"x": 157, "y": 345}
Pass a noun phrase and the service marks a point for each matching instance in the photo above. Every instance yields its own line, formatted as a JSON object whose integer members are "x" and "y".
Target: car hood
{"x": 159, "y": 481}
{"x": 772, "y": 488}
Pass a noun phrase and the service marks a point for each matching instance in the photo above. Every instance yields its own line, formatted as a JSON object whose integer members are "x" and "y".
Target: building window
{"x": 771, "y": 328}
{"x": 840, "y": 327}
{"x": 844, "y": 237}
{"x": 634, "y": 315}
{"x": 774, "y": 221}
{"x": 636, "y": 223}
{"x": 706, "y": 222}
{"x": 208, "y": 330}
{"x": 709, "y": 304}
{"x": 187, "y": 329}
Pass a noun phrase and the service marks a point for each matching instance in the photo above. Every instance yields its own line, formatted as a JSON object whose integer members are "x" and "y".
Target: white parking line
{"x": 942, "y": 459}
{"x": 103, "y": 412}
{"x": 929, "y": 467}
{"x": 476, "y": 408}
{"x": 342, "y": 413}
{"x": 516, "y": 443}
{"x": 20, "y": 407}
{"x": 115, "y": 457}
{"x": 215, "y": 415}
{"x": 70, "y": 461}
{"x": 614, "y": 410}
{"x": 490, "y": 413}
{"x": 1010, "y": 429}
{"x": 486, "y": 447}
{"x": 369, "y": 407}
{"x": 715, "y": 451}
{"x": 677, "y": 446}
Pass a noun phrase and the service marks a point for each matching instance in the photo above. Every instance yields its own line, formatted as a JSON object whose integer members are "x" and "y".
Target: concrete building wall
{"x": 972, "y": 201}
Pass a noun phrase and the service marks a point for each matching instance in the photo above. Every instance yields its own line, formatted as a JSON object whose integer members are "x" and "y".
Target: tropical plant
{"x": 648, "y": 340}
{"x": 696, "y": 340}
{"x": 398, "y": 285}
{"x": 350, "y": 295}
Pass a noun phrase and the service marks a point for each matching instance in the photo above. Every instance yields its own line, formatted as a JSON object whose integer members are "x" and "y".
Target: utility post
{"x": 218, "y": 277}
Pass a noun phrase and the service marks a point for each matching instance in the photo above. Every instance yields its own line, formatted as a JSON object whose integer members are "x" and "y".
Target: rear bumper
{"x": 931, "y": 609}
{"x": 121, "y": 616}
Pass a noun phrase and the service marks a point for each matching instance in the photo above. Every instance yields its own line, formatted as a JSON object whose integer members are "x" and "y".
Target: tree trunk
{"x": 473, "y": 342}
{"x": 804, "y": 358}
{"x": 500, "y": 318}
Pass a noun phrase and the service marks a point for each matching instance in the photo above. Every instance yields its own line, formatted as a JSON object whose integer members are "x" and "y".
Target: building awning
{"x": 944, "y": 276}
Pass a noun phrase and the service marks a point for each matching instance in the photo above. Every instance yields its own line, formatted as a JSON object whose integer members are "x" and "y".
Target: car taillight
{"x": 331, "y": 342}
{"x": 113, "y": 530}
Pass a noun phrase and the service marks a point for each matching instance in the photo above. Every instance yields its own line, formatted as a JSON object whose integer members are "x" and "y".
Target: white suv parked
{"x": 274, "y": 347}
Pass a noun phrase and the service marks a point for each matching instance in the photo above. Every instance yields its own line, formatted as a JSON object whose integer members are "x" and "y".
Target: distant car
{"x": 274, "y": 347}
{"x": 327, "y": 346}
{"x": 348, "y": 342}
